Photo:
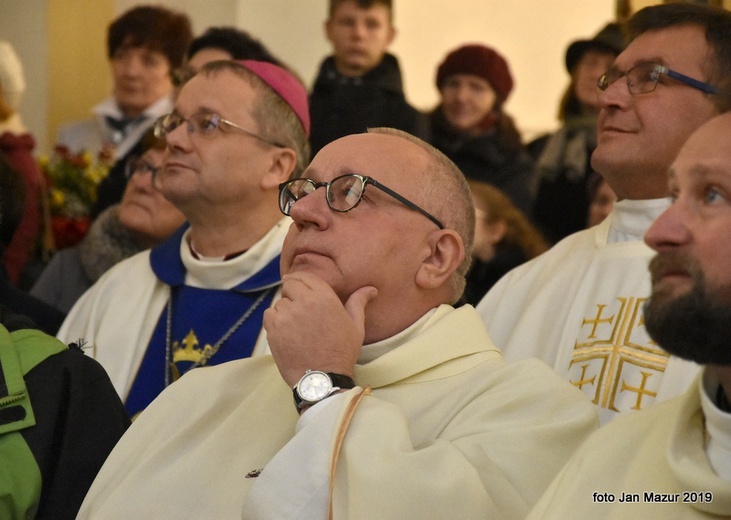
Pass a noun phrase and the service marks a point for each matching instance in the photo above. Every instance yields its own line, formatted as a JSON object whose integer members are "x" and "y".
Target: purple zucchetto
{"x": 284, "y": 84}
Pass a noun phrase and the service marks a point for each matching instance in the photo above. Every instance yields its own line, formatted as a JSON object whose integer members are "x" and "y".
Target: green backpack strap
{"x": 20, "y": 476}
{"x": 20, "y": 351}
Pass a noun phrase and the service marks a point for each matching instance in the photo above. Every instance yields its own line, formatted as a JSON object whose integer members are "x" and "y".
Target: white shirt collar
{"x": 225, "y": 274}
{"x": 718, "y": 427}
{"x": 630, "y": 219}
{"x": 375, "y": 350}
{"x": 109, "y": 107}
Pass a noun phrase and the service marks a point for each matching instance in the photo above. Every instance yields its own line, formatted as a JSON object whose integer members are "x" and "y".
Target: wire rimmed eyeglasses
{"x": 139, "y": 166}
{"x": 643, "y": 78}
{"x": 205, "y": 124}
{"x": 342, "y": 194}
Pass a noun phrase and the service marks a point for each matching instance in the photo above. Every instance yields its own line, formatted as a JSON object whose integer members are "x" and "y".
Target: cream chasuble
{"x": 578, "y": 308}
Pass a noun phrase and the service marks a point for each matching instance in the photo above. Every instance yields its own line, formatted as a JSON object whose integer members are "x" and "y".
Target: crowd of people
{"x": 329, "y": 304}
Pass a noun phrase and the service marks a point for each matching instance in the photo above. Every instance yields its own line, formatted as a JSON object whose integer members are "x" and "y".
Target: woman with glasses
{"x": 143, "y": 219}
{"x": 470, "y": 127}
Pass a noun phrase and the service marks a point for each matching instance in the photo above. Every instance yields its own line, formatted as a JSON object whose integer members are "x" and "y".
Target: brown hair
{"x": 569, "y": 106}
{"x": 277, "y": 120}
{"x": 716, "y": 25}
{"x": 520, "y": 232}
{"x": 149, "y": 141}
{"x": 154, "y": 27}
{"x": 363, "y": 4}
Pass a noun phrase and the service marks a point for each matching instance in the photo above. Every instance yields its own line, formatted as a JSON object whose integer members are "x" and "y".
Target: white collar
{"x": 375, "y": 350}
{"x": 718, "y": 427}
{"x": 109, "y": 107}
{"x": 630, "y": 219}
{"x": 224, "y": 274}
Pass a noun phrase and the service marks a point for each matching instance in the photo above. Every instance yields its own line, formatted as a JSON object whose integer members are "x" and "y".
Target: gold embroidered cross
{"x": 639, "y": 390}
{"x": 615, "y": 352}
{"x": 583, "y": 381}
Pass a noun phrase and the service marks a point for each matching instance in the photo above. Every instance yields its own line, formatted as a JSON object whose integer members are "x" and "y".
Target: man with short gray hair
{"x": 402, "y": 407}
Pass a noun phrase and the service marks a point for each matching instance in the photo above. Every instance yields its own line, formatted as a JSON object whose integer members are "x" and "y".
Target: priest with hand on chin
{"x": 380, "y": 399}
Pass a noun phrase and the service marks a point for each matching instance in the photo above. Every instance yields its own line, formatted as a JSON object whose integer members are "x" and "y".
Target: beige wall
{"x": 23, "y": 23}
{"x": 62, "y": 46}
{"x": 531, "y": 34}
{"x": 78, "y": 71}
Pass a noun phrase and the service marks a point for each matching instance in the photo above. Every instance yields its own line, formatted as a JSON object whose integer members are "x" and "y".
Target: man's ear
{"x": 445, "y": 254}
{"x": 281, "y": 167}
{"x": 328, "y": 29}
{"x": 392, "y": 33}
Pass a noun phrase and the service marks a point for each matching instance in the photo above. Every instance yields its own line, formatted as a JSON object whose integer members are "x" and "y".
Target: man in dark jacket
{"x": 359, "y": 86}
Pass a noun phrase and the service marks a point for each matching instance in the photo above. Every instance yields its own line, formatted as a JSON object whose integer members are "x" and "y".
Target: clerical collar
{"x": 630, "y": 219}
{"x": 212, "y": 259}
{"x": 375, "y": 350}
{"x": 716, "y": 408}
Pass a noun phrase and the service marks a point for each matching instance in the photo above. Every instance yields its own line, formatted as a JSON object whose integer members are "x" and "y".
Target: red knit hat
{"x": 481, "y": 61}
{"x": 286, "y": 85}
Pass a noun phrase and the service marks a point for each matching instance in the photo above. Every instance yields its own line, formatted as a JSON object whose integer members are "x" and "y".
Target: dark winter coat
{"x": 341, "y": 105}
{"x": 563, "y": 169}
{"x": 481, "y": 158}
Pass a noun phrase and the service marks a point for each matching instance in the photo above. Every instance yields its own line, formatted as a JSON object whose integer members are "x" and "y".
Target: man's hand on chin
{"x": 310, "y": 329}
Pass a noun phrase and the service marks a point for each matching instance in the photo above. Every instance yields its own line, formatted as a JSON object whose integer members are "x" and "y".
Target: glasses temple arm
{"x": 700, "y": 85}
{"x": 405, "y": 201}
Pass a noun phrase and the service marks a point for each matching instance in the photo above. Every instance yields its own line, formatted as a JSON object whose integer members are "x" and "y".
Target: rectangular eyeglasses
{"x": 342, "y": 194}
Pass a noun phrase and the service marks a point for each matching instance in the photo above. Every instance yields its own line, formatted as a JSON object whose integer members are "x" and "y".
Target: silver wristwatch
{"x": 316, "y": 385}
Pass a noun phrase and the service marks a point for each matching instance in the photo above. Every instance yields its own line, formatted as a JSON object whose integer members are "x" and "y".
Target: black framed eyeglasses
{"x": 138, "y": 166}
{"x": 205, "y": 124}
{"x": 643, "y": 78}
{"x": 342, "y": 194}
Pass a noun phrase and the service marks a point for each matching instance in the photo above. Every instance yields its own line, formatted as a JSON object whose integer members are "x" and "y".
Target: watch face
{"x": 314, "y": 386}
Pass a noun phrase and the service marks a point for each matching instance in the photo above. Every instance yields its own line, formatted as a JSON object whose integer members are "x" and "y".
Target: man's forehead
{"x": 207, "y": 55}
{"x": 705, "y": 153}
{"x": 668, "y": 46}
{"x": 213, "y": 92}
{"x": 376, "y": 155}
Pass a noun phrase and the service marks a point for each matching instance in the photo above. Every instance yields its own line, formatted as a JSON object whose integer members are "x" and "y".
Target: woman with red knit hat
{"x": 471, "y": 128}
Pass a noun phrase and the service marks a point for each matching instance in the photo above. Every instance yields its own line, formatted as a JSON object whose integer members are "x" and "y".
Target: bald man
{"x": 402, "y": 407}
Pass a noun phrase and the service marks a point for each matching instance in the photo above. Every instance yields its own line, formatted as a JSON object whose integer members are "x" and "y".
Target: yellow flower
{"x": 74, "y": 179}
{"x": 58, "y": 198}
{"x": 86, "y": 156}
